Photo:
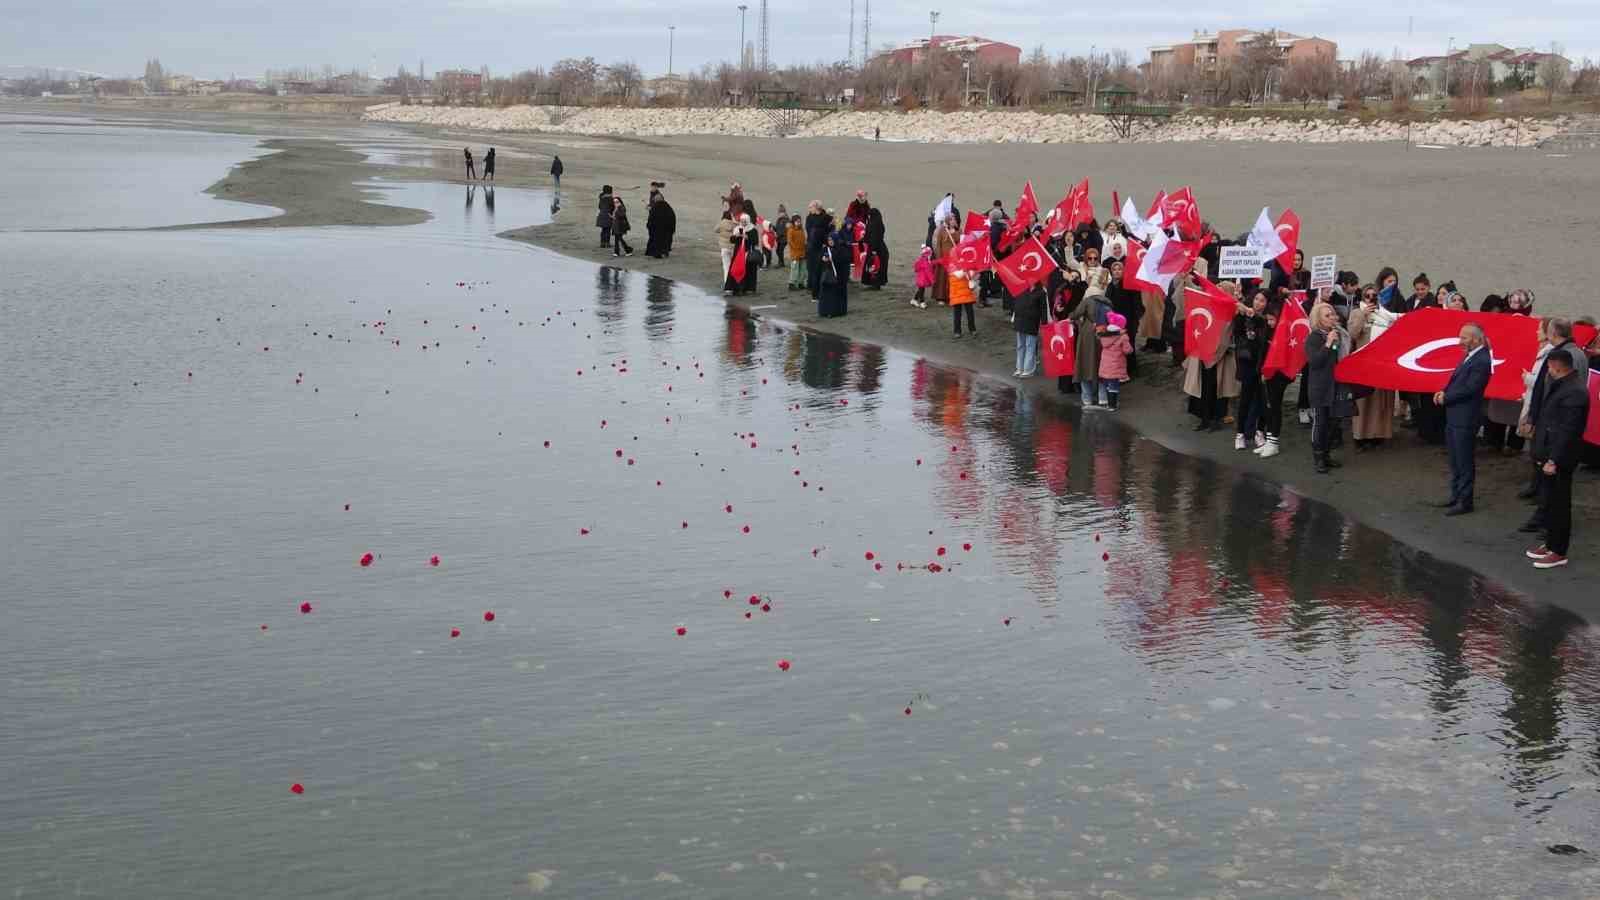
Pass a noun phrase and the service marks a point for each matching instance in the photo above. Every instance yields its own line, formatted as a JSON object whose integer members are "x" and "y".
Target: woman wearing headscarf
{"x": 745, "y": 240}
{"x": 875, "y": 270}
{"x": 1374, "y": 421}
{"x": 1088, "y": 320}
{"x": 838, "y": 258}
{"x": 1210, "y": 383}
{"x": 943, "y": 242}
{"x": 1325, "y": 346}
{"x": 1087, "y": 235}
{"x": 942, "y": 211}
{"x": 858, "y": 209}
{"x": 1128, "y": 304}
{"x": 602, "y": 218}
{"x": 661, "y": 223}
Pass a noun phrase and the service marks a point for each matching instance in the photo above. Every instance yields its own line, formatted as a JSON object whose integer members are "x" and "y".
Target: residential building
{"x": 1522, "y": 63}
{"x": 980, "y": 49}
{"x": 1210, "y": 52}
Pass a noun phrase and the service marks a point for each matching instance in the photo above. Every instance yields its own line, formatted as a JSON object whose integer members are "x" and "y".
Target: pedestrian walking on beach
{"x": 619, "y": 228}
{"x": 488, "y": 165}
{"x": 1557, "y": 446}
{"x": 472, "y": 171}
{"x": 602, "y": 219}
{"x": 556, "y": 168}
{"x": 1461, "y": 400}
{"x": 877, "y": 133}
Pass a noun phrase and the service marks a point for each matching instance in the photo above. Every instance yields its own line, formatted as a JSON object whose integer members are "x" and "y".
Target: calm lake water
{"x": 1207, "y": 686}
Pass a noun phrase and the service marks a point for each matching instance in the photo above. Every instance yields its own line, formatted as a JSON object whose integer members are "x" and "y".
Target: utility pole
{"x": 1449, "y": 49}
{"x": 866, "y": 32}
{"x": 762, "y": 56}
{"x": 742, "y": 8}
{"x": 850, "y": 44}
{"x": 671, "y": 33}
{"x": 933, "y": 22}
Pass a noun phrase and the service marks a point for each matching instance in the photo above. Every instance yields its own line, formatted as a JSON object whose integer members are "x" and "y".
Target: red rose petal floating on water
{"x": 814, "y": 552}
{"x": 263, "y": 626}
{"x": 877, "y": 567}
{"x": 766, "y": 607}
{"x": 619, "y": 454}
{"x": 783, "y": 665}
{"x": 746, "y": 529}
{"x": 630, "y": 460}
{"x": 366, "y": 560}
{"x": 347, "y": 507}
{"x": 919, "y": 460}
{"x": 547, "y": 443}
{"x": 682, "y": 631}
{"x": 967, "y": 547}
{"x": 963, "y": 476}
{"x": 939, "y": 552}
{"x": 583, "y": 531}
{"x": 297, "y": 788}
{"x": 1104, "y": 557}
{"x": 908, "y": 710}
{"x": 433, "y": 560}
{"x": 488, "y": 615}
{"x": 1097, "y": 539}
{"x": 455, "y": 632}
{"x": 747, "y": 615}
{"x": 755, "y": 600}
{"x": 683, "y": 524}
{"x": 728, "y": 508}
{"x": 305, "y": 607}
{"x": 727, "y": 594}
{"x": 1006, "y": 621}
{"x": 870, "y": 557}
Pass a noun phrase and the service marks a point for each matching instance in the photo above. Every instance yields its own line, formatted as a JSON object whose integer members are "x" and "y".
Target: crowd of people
{"x": 824, "y": 252}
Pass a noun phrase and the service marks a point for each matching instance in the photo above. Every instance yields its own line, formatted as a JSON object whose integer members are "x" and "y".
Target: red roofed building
{"x": 981, "y": 49}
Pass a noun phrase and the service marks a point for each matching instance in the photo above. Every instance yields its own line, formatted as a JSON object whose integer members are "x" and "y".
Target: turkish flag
{"x": 736, "y": 266}
{"x": 1286, "y": 355}
{"x": 1025, "y": 267}
{"x": 1180, "y": 210}
{"x": 1153, "y": 215}
{"x": 1289, "y": 233}
{"x": 1074, "y": 209}
{"x": 1027, "y": 206}
{"x": 1207, "y": 312}
{"x": 1058, "y": 348}
{"x": 973, "y": 254}
{"x": 1130, "y": 269}
{"x": 975, "y": 223}
{"x": 1590, "y": 434}
{"x": 1165, "y": 259}
{"x": 1420, "y": 350}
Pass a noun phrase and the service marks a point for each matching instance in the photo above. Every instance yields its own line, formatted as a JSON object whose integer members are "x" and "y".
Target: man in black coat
{"x": 1558, "y": 333}
{"x": 1462, "y": 399}
{"x": 817, "y": 225}
{"x": 1557, "y": 447}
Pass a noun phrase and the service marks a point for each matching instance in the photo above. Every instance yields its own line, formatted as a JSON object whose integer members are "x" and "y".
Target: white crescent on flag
{"x": 1304, "y": 323}
{"x": 1412, "y": 359}
{"x": 1031, "y": 262}
{"x": 1210, "y": 319}
{"x": 1058, "y": 353}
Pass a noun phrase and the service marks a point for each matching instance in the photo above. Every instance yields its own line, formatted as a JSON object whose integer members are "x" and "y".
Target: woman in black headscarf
{"x": 661, "y": 222}
{"x": 746, "y": 244}
{"x": 834, "y": 299}
{"x": 875, "y": 268}
{"x": 602, "y": 219}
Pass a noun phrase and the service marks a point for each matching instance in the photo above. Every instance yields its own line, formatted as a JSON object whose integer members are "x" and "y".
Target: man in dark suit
{"x": 1462, "y": 399}
{"x": 1557, "y": 445}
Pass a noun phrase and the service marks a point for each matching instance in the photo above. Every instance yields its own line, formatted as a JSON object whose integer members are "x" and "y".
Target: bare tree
{"x": 623, "y": 81}
{"x": 576, "y": 79}
{"x": 1552, "y": 72}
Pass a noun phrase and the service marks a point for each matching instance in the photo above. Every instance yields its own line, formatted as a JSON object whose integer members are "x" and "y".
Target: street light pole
{"x": 1449, "y": 49}
{"x": 671, "y": 33}
{"x": 933, "y": 22}
{"x": 742, "y": 8}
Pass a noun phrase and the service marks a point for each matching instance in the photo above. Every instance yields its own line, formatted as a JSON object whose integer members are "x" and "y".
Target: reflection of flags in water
{"x": 1053, "y": 452}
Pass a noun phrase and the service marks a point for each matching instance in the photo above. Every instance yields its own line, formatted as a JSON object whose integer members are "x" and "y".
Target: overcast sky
{"x": 218, "y": 38}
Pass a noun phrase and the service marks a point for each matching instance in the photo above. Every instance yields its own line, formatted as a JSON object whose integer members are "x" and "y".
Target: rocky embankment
{"x": 968, "y": 127}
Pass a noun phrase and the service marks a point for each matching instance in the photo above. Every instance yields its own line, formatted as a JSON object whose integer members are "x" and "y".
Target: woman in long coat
{"x": 1089, "y": 315}
{"x": 745, "y": 242}
{"x": 943, "y": 242}
{"x": 875, "y": 270}
{"x": 661, "y": 223}
{"x": 1374, "y": 422}
{"x": 834, "y": 299}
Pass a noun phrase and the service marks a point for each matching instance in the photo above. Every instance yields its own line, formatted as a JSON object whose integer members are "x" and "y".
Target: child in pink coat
{"x": 1114, "y": 350}
{"x": 924, "y": 272}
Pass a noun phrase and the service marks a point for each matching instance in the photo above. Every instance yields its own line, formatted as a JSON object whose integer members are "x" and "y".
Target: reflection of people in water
{"x": 488, "y": 165}
{"x": 472, "y": 192}
{"x": 488, "y": 199}
{"x": 555, "y": 203}
{"x": 472, "y": 172}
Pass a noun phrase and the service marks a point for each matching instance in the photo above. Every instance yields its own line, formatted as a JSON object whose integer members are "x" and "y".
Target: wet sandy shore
{"x": 1490, "y": 219}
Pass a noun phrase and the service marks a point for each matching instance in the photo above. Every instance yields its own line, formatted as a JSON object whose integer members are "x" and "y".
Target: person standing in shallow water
{"x": 556, "y": 168}
{"x": 472, "y": 171}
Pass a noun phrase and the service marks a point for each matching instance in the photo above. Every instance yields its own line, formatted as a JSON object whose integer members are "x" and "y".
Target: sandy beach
{"x": 1489, "y": 219}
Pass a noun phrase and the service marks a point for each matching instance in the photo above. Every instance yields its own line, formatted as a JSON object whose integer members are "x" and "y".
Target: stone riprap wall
{"x": 969, "y": 127}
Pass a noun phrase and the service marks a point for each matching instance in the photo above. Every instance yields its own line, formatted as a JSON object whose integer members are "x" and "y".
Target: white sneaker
{"x": 1016, "y": 373}
{"x": 1238, "y": 442}
{"x": 1270, "y": 450}
{"x": 1305, "y": 417}
{"x": 1261, "y": 440}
